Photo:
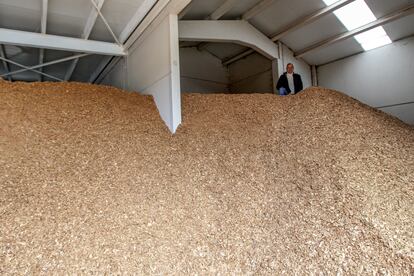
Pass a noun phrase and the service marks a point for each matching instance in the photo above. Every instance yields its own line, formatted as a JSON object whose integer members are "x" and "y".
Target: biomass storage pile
{"x": 91, "y": 181}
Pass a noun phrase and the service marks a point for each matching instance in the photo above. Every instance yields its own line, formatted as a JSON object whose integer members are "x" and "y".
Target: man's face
{"x": 290, "y": 68}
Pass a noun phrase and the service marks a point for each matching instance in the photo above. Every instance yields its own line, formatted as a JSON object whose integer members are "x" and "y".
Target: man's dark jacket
{"x": 283, "y": 82}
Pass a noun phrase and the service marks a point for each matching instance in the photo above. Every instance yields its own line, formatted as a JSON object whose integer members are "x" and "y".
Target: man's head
{"x": 290, "y": 68}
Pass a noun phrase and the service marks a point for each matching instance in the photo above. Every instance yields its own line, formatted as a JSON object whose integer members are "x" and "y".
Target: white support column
{"x": 159, "y": 73}
{"x": 5, "y": 64}
{"x": 314, "y": 75}
{"x": 43, "y": 25}
{"x": 281, "y": 64}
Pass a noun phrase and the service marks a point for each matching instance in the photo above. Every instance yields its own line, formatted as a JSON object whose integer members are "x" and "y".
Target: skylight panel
{"x": 373, "y": 38}
{"x": 357, "y": 14}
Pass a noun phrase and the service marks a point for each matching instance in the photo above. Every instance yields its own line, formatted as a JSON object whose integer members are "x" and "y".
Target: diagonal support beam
{"x": 101, "y": 67}
{"x": 257, "y": 9}
{"x": 43, "y": 25}
{"x": 29, "y": 69}
{"x": 137, "y": 31}
{"x": 219, "y": 12}
{"x": 45, "y": 64}
{"x": 93, "y": 16}
{"x": 379, "y": 22}
{"x": 222, "y": 10}
{"x": 235, "y": 31}
{"x": 185, "y": 11}
{"x": 139, "y": 15}
{"x": 294, "y": 26}
{"x": 5, "y": 64}
{"x": 98, "y": 10}
{"x": 310, "y": 18}
{"x": 230, "y": 60}
{"x": 160, "y": 10}
{"x": 63, "y": 43}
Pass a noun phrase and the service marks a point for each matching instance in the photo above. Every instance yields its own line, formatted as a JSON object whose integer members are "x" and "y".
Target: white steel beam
{"x": 257, "y": 9}
{"x": 237, "y": 57}
{"x": 130, "y": 29}
{"x": 90, "y": 23}
{"x": 222, "y": 10}
{"x": 301, "y": 22}
{"x": 29, "y": 69}
{"x": 184, "y": 11}
{"x": 234, "y": 31}
{"x": 379, "y": 22}
{"x": 139, "y": 15}
{"x": 5, "y": 64}
{"x": 43, "y": 22}
{"x": 161, "y": 9}
{"x": 45, "y": 64}
{"x": 146, "y": 23}
{"x": 98, "y": 10}
{"x": 55, "y": 42}
{"x": 310, "y": 18}
{"x": 93, "y": 16}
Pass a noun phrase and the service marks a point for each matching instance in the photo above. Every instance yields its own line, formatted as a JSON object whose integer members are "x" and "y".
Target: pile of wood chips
{"x": 92, "y": 182}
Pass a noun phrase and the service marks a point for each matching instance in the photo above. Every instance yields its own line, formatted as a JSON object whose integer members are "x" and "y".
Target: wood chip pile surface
{"x": 92, "y": 182}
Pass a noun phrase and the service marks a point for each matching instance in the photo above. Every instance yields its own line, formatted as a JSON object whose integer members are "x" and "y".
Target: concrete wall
{"x": 201, "y": 72}
{"x": 152, "y": 67}
{"x": 380, "y": 77}
{"x": 252, "y": 74}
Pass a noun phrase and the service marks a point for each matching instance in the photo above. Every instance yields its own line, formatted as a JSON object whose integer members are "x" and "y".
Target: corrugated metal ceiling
{"x": 68, "y": 18}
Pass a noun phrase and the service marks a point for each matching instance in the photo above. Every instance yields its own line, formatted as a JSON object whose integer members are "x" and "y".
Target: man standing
{"x": 289, "y": 82}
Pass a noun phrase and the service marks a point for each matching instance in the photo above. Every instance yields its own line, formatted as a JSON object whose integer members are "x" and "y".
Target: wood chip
{"x": 92, "y": 182}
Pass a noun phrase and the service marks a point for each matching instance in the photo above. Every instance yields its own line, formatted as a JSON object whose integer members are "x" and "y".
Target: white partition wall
{"x": 381, "y": 78}
{"x": 152, "y": 68}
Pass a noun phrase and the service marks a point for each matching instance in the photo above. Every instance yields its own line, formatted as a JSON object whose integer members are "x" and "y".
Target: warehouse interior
{"x": 149, "y": 137}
